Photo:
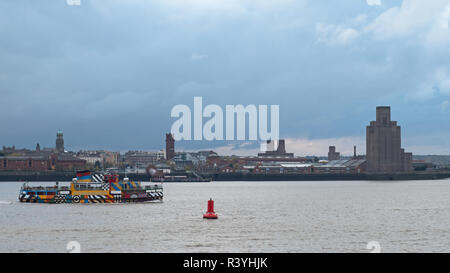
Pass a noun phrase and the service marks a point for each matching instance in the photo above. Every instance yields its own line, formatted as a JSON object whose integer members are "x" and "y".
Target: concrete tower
{"x": 60, "y": 142}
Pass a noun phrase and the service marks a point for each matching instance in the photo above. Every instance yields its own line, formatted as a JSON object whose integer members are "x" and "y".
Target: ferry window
{"x": 41, "y": 193}
{"x": 50, "y": 193}
{"x": 4, "y": 163}
{"x": 31, "y": 193}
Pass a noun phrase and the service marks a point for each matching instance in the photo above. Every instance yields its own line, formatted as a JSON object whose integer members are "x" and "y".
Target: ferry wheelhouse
{"x": 93, "y": 188}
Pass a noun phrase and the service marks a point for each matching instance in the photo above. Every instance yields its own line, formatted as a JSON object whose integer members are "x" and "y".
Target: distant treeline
{"x": 435, "y": 159}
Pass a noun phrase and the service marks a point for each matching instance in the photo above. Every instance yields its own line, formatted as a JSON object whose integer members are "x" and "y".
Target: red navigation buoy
{"x": 210, "y": 214}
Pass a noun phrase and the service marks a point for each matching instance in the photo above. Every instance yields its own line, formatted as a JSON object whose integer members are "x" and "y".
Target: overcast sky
{"x": 108, "y": 72}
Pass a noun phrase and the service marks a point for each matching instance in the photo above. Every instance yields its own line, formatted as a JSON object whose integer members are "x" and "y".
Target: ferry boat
{"x": 93, "y": 188}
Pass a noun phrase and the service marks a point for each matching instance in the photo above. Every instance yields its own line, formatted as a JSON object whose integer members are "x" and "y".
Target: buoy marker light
{"x": 210, "y": 214}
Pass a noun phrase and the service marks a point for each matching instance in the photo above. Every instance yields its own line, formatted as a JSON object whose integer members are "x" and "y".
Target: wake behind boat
{"x": 97, "y": 188}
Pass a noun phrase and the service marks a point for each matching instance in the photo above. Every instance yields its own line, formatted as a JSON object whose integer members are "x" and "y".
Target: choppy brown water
{"x": 334, "y": 216}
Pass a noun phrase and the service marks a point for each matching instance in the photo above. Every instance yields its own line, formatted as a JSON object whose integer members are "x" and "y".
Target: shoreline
{"x": 67, "y": 177}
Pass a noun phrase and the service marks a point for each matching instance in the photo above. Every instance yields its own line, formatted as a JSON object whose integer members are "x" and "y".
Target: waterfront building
{"x": 24, "y": 163}
{"x": 40, "y": 159}
{"x": 107, "y": 159}
{"x": 59, "y": 162}
{"x": 13, "y": 151}
{"x": 189, "y": 159}
{"x": 141, "y": 159}
{"x": 59, "y": 142}
{"x": 332, "y": 154}
{"x": 383, "y": 145}
{"x": 274, "y": 149}
{"x": 342, "y": 166}
{"x": 91, "y": 158}
{"x": 281, "y": 168}
{"x": 67, "y": 162}
{"x": 170, "y": 146}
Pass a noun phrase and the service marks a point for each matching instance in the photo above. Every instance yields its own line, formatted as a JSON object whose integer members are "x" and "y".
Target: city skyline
{"x": 383, "y": 148}
{"x": 383, "y": 118}
{"x": 327, "y": 65}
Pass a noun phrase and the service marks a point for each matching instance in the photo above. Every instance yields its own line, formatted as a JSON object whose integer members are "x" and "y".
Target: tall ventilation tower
{"x": 60, "y": 142}
{"x": 170, "y": 146}
{"x": 383, "y": 145}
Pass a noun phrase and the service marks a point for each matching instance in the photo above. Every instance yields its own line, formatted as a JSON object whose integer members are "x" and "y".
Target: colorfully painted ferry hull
{"x": 88, "y": 188}
{"x": 89, "y": 199}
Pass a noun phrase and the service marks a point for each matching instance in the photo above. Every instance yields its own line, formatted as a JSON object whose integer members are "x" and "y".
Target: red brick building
{"x": 170, "y": 146}
{"x": 383, "y": 145}
{"x": 41, "y": 163}
{"x": 65, "y": 162}
{"x": 24, "y": 163}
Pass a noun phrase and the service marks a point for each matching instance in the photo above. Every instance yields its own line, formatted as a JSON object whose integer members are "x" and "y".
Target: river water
{"x": 320, "y": 216}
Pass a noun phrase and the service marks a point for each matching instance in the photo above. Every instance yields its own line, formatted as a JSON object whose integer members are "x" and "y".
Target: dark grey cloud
{"x": 109, "y": 72}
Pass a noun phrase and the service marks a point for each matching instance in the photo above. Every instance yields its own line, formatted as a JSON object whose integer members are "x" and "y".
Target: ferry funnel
{"x": 210, "y": 214}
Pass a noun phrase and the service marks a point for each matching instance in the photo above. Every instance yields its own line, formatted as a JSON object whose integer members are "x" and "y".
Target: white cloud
{"x": 359, "y": 19}
{"x": 443, "y": 80}
{"x": 445, "y": 106}
{"x": 424, "y": 91}
{"x": 335, "y": 34}
{"x": 437, "y": 83}
{"x": 347, "y": 35}
{"x": 245, "y": 144}
{"x": 439, "y": 33}
{"x": 344, "y": 145}
{"x": 428, "y": 19}
{"x": 306, "y": 147}
{"x": 373, "y": 2}
{"x": 298, "y": 146}
{"x": 229, "y": 6}
{"x": 303, "y": 147}
{"x": 230, "y": 149}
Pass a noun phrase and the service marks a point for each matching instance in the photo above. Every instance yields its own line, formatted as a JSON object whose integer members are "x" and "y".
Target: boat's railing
{"x": 80, "y": 186}
{"x": 153, "y": 187}
{"x": 38, "y": 188}
{"x": 48, "y": 188}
